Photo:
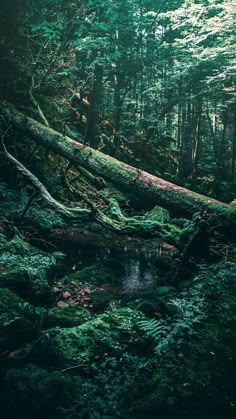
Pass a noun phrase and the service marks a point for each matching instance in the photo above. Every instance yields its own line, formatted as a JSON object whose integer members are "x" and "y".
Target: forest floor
{"x": 98, "y": 325}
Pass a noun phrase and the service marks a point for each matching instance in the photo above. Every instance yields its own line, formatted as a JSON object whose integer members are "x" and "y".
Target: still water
{"x": 140, "y": 262}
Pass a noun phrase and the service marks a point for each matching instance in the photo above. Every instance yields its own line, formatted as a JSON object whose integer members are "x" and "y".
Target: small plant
{"x": 170, "y": 331}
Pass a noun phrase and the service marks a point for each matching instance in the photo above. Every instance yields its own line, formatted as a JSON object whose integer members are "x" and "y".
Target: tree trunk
{"x": 143, "y": 188}
{"x": 94, "y": 109}
{"x": 196, "y": 146}
{"x": 233, "y": 142}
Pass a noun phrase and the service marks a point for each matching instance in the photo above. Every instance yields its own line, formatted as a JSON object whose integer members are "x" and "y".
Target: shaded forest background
{"x": 149, "y": 82}
{"x": 117, "y": 287}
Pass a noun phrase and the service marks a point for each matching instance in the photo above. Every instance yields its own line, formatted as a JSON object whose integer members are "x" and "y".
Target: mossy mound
{"x": 19, "y": 246}
{"x": 112, "y": 333}
{"x": 98, "y": 274}
{"x": 26, "y": 271}
{"x": 67, "y": 316}
{"x": 17, "y": 322}
{"x": 38, "y": 393}
{"x": 100, "y": 298}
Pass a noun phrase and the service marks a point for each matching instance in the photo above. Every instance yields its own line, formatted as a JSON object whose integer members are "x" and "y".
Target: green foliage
{"x": 162, "y": 65}
{"x": 17, "y": 325}
{"x": 107, "y": 365}
{"x": 44, "y": 218}
{"x": 15, "y": 201}
{"x": 171, "y": 332}
{"x": 66, "y": 316}
{"x": 98, "y": 273}
{"x": 26, "y": 269}
{"x": 100, "y": 392}
{"x": 110, "y": 390}
{"x": 36, "y": 391}
{"x": 166, "y": 105}
{"x": 3, "y": 242}
{"x": 193, "y": 307}
{"x": 49, "y": 30}
{"x": 112, "y": 332}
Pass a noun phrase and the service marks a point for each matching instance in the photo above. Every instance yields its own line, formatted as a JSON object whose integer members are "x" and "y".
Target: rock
{"x": 66, "y": 316}
{"x": 17, "y": 322}
{"x": 32, "y": 286}
{"x": 101, "y": 298}
{"x": 20, "y": 246}
{"x": 112, "y": 332}
{"x": 26, "y": 271}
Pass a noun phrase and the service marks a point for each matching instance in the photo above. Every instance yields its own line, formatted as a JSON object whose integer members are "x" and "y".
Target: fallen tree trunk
{"x": 142, "y": 187}
{"x": 117, "y": 222}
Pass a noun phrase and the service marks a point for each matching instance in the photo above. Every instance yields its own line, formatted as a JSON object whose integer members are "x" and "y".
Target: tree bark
{"x": 93, "y": 115}
{"x": 143, "y": 188}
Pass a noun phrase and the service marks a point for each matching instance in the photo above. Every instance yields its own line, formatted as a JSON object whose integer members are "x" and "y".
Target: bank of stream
{"x": 137, "y": 267}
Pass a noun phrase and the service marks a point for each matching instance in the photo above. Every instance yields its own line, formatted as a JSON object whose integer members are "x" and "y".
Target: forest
{"x": 117, "y": 209}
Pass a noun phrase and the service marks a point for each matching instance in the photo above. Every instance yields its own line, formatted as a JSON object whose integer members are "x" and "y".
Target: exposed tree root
{"x": 143, "y": 188}
{"x": 116, "y": 221}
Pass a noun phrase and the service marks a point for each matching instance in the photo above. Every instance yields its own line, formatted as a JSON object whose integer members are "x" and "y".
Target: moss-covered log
{"x": 144, "y": 188}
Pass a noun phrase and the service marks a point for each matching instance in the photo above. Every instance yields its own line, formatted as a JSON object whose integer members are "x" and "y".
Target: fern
{"x": 175, "y": 331}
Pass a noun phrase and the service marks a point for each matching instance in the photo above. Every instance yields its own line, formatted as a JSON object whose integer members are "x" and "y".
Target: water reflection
{"x": 139, "y": 262}
{"x": 140, "y": 277}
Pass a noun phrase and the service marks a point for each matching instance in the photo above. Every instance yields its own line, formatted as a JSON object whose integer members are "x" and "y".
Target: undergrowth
{"x": 192, "y": 307}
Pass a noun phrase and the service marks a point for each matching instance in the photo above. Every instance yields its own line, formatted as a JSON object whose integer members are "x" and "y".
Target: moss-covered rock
{"x": 98, "y": 274}
{"x": 19, "y": 246}
{"x": 15, "y": 278}
{"x": 112, "y": 332}
{"x": 17, "y": 322}
{"x": 26, "y": 271}
{"x": 100, "y": 298}
{"x": 30, "y": 283}
{"x": 33, "y": 392}
{"x": 67, "y": 316}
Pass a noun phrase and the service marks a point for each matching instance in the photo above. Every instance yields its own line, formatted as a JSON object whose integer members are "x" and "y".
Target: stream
{"x": 140, "y": 263}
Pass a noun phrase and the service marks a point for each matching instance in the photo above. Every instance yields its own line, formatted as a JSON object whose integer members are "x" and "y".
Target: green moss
{"x": 36, "y": 392}
{"x": 3, "y": 242}
{"x": 165, "y": 290}
{"x": 14, "y": 278}
{"x": 100, "y": 298}
{"x": 16, "y": 325}
{"x": 113, "y": 332}
{"x": 67, "y": 316}
{"x": 196, "y": 378}
{"x": 9, "y": 301}
{"x": 26, "y": 270}
{"x": 97, "y": 274}
{"x": 158, "y": 214}
{"x": 19, "y": 246}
